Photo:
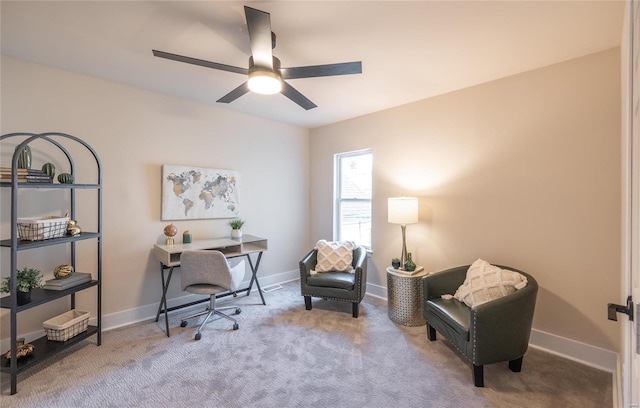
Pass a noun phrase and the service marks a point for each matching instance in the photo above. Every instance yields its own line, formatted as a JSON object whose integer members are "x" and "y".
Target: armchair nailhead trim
{"x": 458, "y": 348}
{"x": 475, "y": 330}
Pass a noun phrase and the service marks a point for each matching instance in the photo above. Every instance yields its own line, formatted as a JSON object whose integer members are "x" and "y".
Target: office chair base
{"x": 209, "y": 313}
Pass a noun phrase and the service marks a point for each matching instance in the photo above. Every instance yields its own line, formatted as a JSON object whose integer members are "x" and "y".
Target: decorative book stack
{"x": 25, "y": 176}
{"x": 76, "y": 278}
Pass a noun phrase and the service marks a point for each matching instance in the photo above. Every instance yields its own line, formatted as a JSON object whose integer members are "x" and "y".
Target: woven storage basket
{"x": 38, "y": 229}
{"x": 65, "y": 326}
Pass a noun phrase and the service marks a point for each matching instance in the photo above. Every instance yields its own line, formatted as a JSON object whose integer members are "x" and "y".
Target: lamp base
{"x": 403, "y": 256}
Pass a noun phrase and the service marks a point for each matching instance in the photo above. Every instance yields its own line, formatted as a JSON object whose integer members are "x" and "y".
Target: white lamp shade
{"x": 403, "y": 210}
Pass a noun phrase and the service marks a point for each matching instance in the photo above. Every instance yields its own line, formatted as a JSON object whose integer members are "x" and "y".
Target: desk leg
{"x": 254, "y": 277}
{"x": 163, "y": 302}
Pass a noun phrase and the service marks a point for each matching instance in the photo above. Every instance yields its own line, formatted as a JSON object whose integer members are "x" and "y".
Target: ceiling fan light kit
{"x": 264, "y": 82}
{"x": 264, "y": 74}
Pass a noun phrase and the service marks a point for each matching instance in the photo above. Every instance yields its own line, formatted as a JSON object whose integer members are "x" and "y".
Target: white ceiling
{"x": 409, "y": 50}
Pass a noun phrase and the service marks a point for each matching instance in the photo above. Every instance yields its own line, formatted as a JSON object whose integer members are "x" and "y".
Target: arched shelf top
{"x": 51, "y": 138}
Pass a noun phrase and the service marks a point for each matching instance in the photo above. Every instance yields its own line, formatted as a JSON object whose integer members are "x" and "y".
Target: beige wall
{"x": 135, "y": 132}
{"x": 523, "y": 171}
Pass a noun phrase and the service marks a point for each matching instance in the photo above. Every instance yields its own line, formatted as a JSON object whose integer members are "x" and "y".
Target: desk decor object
{"x": 190, "y": 192}
{"x": 403, "y": 211}
{"x": 170, "y": 231}
{"x": 236, "y": 227}
{"x": 186, "y": 237}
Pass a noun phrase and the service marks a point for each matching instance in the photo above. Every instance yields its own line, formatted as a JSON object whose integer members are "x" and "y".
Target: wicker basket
{"x": 38, "y": 229}
{"x": 65, "y": 326}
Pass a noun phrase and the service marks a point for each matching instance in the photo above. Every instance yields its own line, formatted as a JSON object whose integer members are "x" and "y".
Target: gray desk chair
{"x": 205, "y": 272}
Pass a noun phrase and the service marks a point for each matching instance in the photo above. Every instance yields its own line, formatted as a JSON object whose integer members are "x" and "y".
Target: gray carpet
{"x": 285, "y": 356}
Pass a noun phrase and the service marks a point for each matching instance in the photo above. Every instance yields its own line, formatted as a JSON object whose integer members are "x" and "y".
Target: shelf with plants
{"x": 41, "y": 296}
{"x": 18, "y": 177}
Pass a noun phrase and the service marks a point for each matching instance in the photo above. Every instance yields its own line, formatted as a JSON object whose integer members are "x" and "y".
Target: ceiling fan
{"x": 265, "y": 75}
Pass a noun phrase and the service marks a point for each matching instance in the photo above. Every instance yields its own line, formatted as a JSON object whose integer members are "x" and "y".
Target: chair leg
{"x": 478, "y": 375}
{"x": 355, "y": 309}
{"x": 431, "y": 333}
{"x": 211, "y": 311}
{"x": 516, "y": 365}
{"x": 307, "y": 302}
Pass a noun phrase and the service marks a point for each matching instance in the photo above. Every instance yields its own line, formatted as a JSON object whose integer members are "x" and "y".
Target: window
{"x": 353, "y": 196}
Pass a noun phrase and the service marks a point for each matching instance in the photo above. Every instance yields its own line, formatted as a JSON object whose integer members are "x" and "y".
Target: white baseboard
{"x": 148, "y": 312}
{"x": 377, "y": 291}
{"x": 574, "y": 350}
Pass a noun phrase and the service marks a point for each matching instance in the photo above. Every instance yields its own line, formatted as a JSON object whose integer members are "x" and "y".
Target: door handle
{"x": 613, "y": 310}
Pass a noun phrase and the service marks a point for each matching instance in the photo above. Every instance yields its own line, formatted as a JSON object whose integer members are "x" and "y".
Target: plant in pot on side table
{"x": 236, "y": 227}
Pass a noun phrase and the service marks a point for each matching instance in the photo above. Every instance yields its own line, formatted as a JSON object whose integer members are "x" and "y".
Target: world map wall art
{"x": 190, "y": 193}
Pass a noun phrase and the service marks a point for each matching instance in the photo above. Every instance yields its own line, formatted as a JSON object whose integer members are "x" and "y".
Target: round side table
{"x": 404, "y": 297}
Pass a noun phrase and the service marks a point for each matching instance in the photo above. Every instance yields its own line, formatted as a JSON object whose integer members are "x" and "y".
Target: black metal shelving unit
{"x": 44, "y": 348}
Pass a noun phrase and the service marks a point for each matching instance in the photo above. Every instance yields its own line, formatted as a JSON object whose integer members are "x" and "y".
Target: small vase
{"x": 23, "y": 297}
{"x": 395, "y": 264}
{"x": 409, "y": 265}
{"x": 236, "y": 233}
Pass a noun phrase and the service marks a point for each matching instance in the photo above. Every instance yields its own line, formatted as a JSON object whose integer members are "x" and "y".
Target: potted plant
{"x": 236, "y": 227}
{"x": 26, "y": 279}
{"x": 395, "y": 262}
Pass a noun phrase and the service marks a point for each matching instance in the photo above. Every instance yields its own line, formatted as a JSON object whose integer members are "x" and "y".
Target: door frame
{"x": 631, "y": 198}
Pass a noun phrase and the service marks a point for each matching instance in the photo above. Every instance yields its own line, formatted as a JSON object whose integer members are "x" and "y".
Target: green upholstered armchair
{"x": 344, "y": 286}
{"x": 488, "y": 333}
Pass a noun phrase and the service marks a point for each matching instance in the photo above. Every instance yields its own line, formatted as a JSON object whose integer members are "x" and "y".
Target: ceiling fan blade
{"x": 202, "y": 63}
{"x": 259, "y": 26}
{"x": 293, "y": 94}
{"x": 345, "y": 68}
{"x": 235, "y": 94}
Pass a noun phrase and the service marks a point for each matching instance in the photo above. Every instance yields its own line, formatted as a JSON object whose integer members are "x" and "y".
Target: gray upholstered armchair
{"x": 344, "y": 286}
{"x": 488, "y": 333}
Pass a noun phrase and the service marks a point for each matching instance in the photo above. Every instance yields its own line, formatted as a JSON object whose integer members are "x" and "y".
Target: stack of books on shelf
{"x": 76, "y": 278}
{"x": 25, "y": 176}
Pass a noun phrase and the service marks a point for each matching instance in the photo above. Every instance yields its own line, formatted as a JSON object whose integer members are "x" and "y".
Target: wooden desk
{"x": 169, "y": 258}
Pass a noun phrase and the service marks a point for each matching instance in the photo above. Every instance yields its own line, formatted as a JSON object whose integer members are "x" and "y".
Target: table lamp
{"x": 403, "y": 211}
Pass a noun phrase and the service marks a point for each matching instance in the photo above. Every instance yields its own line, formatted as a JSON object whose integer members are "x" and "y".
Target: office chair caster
{"x": 235, "y": 327}
{"x": 198, "y": 336}
{"x": 183, "y": 323}
{"x": 238, "y": 310}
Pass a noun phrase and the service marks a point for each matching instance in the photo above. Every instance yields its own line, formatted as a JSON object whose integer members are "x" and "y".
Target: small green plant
{"x": 27, "y": 279}
{"x": 236, "y": 223}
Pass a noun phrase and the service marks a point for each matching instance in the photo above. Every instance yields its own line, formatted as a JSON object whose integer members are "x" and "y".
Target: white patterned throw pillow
{"x": 486, "y": 282}
{"x": 334, "y": 256}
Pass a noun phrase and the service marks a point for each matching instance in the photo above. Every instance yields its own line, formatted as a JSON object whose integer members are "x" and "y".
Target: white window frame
{"x": 337, "y": 191}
